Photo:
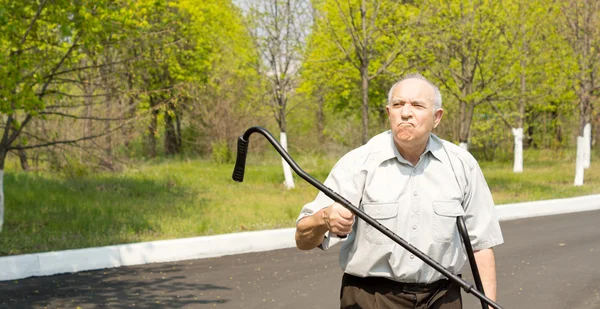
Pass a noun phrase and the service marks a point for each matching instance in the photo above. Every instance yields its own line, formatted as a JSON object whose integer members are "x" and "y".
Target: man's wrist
{"x": 325, "y": 218}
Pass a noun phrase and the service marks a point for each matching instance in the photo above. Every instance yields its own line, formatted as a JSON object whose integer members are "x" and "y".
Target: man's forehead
{"x": 413, "y": 89}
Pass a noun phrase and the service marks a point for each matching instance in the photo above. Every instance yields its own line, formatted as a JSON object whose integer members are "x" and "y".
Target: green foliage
{"x": 74, "y": 169}
{"x": 347, "y": 47}
{"x": 38, "y": 44}
{"x": 221, "y": 152}
{"x": 195, "y": 62}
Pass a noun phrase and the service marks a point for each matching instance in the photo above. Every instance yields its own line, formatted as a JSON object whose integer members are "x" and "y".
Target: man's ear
{"x": 437, "y": 117}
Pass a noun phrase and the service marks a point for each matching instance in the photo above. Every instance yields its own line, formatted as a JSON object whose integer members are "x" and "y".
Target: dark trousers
{"x": 381, "y": 293}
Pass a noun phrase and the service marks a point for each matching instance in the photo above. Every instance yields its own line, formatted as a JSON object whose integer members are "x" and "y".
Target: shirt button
{"x": 415, "y": 193}
{"x": 414, "y": 227}
{"x": 412, "y": 256}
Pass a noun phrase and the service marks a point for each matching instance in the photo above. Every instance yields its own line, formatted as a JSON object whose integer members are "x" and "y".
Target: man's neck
{"x": 412, "y": 153}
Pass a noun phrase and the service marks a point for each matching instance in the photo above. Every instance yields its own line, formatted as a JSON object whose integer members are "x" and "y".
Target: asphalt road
{"x": 546, "y": 262}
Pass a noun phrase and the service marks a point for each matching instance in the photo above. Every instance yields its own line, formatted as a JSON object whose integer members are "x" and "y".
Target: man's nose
{"x": 406, "y": 111}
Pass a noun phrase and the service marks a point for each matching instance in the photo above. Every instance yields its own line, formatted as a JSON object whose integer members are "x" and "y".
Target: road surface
{"x": 546, "y": 262}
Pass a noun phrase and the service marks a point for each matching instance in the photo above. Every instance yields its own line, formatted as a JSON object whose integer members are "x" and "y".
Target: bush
{"x": 221, "y": 152}
{"x": 70, "y": 167}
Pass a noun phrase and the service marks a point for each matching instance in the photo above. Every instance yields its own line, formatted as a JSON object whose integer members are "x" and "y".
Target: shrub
{"x": 221, "y": 152}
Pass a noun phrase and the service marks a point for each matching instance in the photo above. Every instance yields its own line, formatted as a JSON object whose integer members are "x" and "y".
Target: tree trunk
{"x": 287, "y": 170}
{"x": 108, "y": 139}
{"x": 595, "y": 130}
{"x": 466, "y": 117}
{"x": 23, "y": 160}
{"x": 170, "y": 133}
{"x": 579, "y": 173}
{"x": 558, "y": 135}
{"x": 320, "y": 116}
{"x": 364, "y": 72}
{"x": 152, "y": 129}
{"x": 2, "y": 160}
{"x": 108, "y": 88}
{"x": 178, "y": 129}
{"x": 584, "y": 117}
{"x": 131, "y": 108}
{"x": 518, "y": 163}
{"x": 364, "y": 76}
{"x": 587, "y": 145}
{"x": 518, "y": 132}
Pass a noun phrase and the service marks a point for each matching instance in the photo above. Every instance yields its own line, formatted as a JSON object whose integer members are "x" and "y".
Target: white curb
{"x": 68, "y": 261}
{"x": 548, "y": 207}
{"x": 51, "y": 263}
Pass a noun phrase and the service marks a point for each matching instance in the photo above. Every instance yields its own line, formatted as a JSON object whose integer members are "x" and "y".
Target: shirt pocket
{"x": 384, "y": 213}
{"x": 444, "y": 219}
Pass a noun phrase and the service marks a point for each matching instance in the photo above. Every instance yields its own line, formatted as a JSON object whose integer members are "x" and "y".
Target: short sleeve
{"x": 480, "y": 212}
{"x": 341, "y": 180}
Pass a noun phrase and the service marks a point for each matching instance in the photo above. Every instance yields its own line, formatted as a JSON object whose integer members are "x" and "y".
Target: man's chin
{"x": 404, "y": 138}
{"x": 407, "y": 139}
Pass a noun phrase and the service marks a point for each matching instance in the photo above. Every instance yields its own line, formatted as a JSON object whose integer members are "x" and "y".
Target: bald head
{"x": 436, "y": 96}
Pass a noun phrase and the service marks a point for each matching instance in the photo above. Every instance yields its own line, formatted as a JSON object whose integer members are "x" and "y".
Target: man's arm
{"x": 310, "y": 231}
{"x": 486, "y": 264}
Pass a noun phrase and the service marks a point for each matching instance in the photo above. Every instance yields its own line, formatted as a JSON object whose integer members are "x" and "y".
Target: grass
{"x": 546, "y": 175}
{"x": 183, "y": 198}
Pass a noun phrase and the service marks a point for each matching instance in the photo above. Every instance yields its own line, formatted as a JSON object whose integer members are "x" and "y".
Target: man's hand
{"x": 338, "y": 219}
{"x": 311, "y": 230}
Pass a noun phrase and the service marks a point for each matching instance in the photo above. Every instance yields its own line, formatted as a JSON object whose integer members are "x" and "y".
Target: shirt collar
{"x": 434, "y": 146}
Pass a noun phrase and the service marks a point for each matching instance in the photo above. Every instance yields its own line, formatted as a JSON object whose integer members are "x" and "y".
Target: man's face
{"x": 412, "y": 112}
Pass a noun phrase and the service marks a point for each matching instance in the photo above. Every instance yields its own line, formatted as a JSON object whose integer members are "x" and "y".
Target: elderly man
{"x": 415, "y": 184}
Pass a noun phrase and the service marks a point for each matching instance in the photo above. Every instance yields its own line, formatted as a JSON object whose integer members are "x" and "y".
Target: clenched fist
{"x": 338, "y": 219}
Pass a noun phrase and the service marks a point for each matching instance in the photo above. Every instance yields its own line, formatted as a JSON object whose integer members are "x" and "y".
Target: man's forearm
{"x": 486, "y": 264}
{"x": 310, "y": 231}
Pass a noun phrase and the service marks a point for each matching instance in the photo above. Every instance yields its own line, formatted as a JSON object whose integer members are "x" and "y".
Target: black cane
{"x": 238, "y": 175}
{"x": 462, "y": 229}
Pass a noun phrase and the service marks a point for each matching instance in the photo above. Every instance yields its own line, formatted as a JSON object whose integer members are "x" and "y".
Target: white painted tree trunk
{"x": 464, "y": 146}
{"x": 579, "y": 162}
{"x": 518, "y": 134}
{"x": 587, "y": 145}
{"x": 287, "y": 170}
{"x": 1, "y": 199}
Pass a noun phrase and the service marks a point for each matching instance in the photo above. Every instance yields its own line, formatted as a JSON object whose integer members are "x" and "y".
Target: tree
{"x": 159, "y": 49}
{"x": 228, "y": 87}
{"x": 535, "y": 73}
{"x": 42, "y": 44}
{"x": 369, "y": 36}
{"x": 178, "y": 53}
{"x": 581, "y": 29}
{"x": 279, "y": 29}
{"x": 470, "y": 55}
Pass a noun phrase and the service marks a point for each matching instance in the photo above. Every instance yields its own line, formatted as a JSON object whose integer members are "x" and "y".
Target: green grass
{"x": 184, "y": 198}
{"x": 171, "y": 199}
{"x": 546, "y": 175}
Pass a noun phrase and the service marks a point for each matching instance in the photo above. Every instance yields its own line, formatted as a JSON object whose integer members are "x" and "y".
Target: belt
{"x": 384, "y": 283}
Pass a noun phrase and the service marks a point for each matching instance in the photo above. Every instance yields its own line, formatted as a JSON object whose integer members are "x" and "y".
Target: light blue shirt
{"x": 419, "y": 203}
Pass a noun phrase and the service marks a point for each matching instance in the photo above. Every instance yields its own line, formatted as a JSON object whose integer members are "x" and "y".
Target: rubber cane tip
{"x": 238, "y": 175}
{"x": 240, "y": 160}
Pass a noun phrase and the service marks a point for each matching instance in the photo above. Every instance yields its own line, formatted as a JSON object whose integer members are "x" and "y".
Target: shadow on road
{"x": 151, "y": 286}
